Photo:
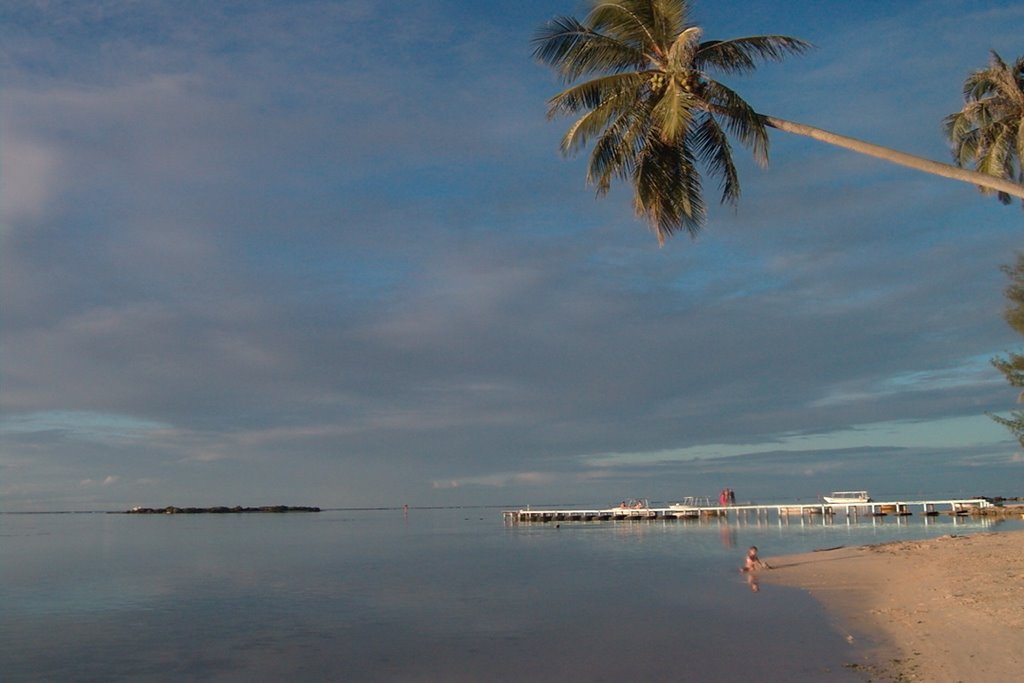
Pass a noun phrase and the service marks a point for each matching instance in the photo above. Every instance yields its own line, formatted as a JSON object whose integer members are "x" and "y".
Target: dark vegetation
{"x": 171, "y": 510}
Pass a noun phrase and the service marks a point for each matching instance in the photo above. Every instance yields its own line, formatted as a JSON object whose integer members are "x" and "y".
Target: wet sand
{"x": 944, "y": 609}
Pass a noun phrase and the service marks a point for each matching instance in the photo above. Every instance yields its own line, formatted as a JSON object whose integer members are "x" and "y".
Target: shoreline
{"x": 943, "y": 609}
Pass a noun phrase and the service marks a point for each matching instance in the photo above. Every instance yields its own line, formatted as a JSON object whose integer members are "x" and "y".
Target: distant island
{"x": 220, "y": 509}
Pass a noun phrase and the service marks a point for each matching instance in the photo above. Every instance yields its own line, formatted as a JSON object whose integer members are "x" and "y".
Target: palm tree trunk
{"x": 902, "y": 158}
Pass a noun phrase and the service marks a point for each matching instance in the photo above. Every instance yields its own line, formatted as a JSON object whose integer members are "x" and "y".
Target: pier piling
{"x": 782, "y": 512}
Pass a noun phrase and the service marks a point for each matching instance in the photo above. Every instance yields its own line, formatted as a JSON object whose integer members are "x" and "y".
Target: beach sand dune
{"x": 944, "y": 609}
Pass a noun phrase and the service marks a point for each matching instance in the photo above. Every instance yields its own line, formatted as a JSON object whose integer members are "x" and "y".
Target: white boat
{"x": 847, "y": 497}
{"x": 632, "y": 508}
{"x": 691, "y": 503}
{"x": 632, "y": 504}
{"x": 689, "y": 507}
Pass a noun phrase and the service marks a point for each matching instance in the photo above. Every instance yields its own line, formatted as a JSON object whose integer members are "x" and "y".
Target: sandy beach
{"x": 944, "y": 609}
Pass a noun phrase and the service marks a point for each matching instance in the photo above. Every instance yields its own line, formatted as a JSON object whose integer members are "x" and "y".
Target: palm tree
{"x": 656, "y": 114}
{"x": 989, "y": 131}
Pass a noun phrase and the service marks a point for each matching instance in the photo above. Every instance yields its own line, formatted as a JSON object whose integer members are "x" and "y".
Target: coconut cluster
{"x": 658, "y": 82}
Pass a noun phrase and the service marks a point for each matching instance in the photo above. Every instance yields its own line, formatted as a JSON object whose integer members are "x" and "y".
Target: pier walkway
{"x": 745, "y": 511}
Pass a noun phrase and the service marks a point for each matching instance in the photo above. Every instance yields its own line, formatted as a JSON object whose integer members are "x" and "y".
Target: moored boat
{"x": 688, "y": 508}
{"x": 632, "y": 508}
{"x": 847, "y": 497}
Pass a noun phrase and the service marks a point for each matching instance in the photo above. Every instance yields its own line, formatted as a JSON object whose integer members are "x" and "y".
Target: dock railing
{"x": 956, "y": 506}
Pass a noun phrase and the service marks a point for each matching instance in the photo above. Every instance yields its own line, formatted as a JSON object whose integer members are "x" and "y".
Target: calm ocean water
{"x": 435, "y": 595}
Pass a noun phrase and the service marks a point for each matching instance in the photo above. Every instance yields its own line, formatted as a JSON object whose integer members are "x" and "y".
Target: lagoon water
{"x": 431, "y": 595}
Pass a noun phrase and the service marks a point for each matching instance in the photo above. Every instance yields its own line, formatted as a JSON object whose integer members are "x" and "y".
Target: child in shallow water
{"x": 753, "y": 562}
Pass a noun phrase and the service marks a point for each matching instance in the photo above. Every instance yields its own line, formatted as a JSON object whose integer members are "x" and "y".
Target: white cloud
{"x": 251, "y": 242}
{"x": 106, "y": 481}
{"x": 501, "y": 480}
{"x": 945, "y": 432}
{"x": 28, "y": 169}
{"x": 974, "y": 371}
{"x": 84, "y": 425}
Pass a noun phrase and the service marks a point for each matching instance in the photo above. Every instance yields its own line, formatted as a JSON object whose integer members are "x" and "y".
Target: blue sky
{"x": 328, "y": 253}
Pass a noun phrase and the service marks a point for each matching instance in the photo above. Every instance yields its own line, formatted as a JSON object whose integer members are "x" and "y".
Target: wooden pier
{"x": 745, "y": 511}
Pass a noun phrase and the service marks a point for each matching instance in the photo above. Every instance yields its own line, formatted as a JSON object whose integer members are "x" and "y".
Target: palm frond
{"x": 672, "y": 114}
{"x": 631, "y": 21}
{"x": 595, "y": 121}
{"x": 999, "y": 82}
{"x": 615, "y": 153}
{"x": 1015, "y": 423}
{"x": 740, "y": 118}
{"x": 965, "y": 139}
{"x": 714, "y": 151}
{"x": 595, "y": 92}
{"x": 956, "y": 125}
{"x": 741, "y": 55}
{"x": 681, "y": 53}
{"x": 574, "y": 50}
{"x": 997, "y": 159}
{"x": 1019, "y": 138}
{"x": 669, "y": 19}
{"x": 668, "y": 190}
{"x": 978, "y": 85}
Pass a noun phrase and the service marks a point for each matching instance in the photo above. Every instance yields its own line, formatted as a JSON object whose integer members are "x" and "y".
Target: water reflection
{"x": 728, "y": 536}
{"x": 430, "y": 595}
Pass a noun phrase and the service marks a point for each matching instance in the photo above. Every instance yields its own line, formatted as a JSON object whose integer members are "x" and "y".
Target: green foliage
{"x": 1014, "y": 313}
{"x": 1012, "y": 365}
{"x": 651, "y": 107}
{"x": 988, "y": 132}
{"x": 1015, "y": 423}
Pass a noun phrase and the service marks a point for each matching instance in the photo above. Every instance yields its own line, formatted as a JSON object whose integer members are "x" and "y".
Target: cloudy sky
{"x": 327, "y": 253}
